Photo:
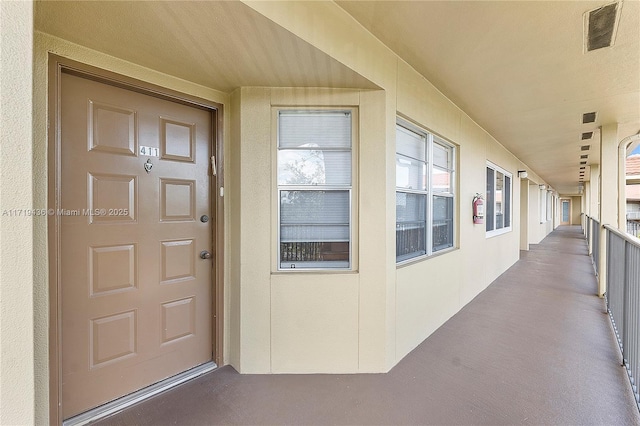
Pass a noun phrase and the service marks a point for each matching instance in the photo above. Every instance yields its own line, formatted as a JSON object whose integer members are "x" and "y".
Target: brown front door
{"x": 136, "y": 295}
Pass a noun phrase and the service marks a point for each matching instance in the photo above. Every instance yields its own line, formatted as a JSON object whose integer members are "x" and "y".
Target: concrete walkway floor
{"x": 534, "y": 348}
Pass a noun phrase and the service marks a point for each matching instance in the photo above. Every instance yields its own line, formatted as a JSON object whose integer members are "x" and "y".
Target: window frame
{"x": 542, "y": 197}
{"x": 430, "y": 139}
{"x": 505, "y": 229}
{"x": 351, "y": 189}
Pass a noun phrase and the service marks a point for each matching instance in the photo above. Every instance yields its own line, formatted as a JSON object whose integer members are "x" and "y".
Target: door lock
{"x": 204, "y": 218}
{"x": 205, "y": 255}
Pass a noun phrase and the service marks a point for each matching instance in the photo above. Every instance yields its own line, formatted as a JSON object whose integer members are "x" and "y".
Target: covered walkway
{"x": 534, "y": 348}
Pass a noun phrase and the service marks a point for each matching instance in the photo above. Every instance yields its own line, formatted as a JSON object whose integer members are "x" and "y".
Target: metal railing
{"x": 592, "y": 232}
{"x": 623, "y": 298}
{"x": 633, "y": 228}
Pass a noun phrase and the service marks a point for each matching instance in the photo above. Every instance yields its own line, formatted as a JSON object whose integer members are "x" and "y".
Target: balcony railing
{"x": 623, "y": 298}
{"x": 633, "y": 228}
{"x": 592, "y": 232}
{"x": 633, "y": 215}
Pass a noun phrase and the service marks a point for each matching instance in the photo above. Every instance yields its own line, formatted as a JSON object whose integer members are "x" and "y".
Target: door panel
{"x": 136, "y": 297}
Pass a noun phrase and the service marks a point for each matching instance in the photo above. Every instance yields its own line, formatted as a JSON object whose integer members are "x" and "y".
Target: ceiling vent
{"x": 583, "y": 163}
{"x": 588, "y": 117}
{"x": 587, "y": 135}
{"x": 584, "y": 156}
{"x": 585, "y": 147}
{"x": 601, "y": 26}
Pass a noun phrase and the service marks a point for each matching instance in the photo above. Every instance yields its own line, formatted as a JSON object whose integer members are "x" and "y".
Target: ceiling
{"x": 218, "y": 44}
{"x": 517, "y": 68}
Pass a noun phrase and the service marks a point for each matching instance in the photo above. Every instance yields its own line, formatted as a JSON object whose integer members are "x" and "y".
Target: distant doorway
{"x": 566, "y": 212}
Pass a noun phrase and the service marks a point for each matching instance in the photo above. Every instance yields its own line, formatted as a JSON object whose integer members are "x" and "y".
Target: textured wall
{"x": 16, "y": 229}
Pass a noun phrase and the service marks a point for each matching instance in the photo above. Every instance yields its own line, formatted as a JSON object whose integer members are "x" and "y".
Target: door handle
{"x": 205, "y": 255}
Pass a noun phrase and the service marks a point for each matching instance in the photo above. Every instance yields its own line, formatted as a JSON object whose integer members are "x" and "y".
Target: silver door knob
{"x": 205, "y": 255}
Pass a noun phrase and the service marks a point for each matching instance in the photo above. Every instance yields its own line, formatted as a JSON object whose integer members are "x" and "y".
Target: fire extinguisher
{"x": 478, "y": 209}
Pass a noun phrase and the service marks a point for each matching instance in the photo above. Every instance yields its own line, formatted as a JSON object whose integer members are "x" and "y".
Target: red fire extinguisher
{"x": 478, "y": 209}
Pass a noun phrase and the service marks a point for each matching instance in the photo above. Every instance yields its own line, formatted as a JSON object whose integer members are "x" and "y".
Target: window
{"x": 314, "y": 179}
{"x": 543, "y": 204}
{"x": 498, "y": 199}
{"x": 424, "y": 193}
{"x": 550, "y": 203}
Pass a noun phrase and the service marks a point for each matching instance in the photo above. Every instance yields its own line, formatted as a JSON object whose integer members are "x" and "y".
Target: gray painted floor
{"x": 534, "y": 348}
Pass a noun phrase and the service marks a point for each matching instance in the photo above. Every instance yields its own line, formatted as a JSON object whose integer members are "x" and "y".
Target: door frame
{"x": 57, "y": 65}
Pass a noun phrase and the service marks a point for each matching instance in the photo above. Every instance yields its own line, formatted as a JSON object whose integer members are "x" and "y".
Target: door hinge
{"x": 214, "y": 169}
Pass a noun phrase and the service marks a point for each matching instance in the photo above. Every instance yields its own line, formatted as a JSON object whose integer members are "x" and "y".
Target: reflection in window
{"x": 424, "y": 193}
{"x": 498, "y": 199}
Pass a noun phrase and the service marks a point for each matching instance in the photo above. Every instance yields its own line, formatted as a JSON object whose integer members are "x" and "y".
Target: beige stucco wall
{"x": 576, "y": 209}
{"x": 17, "y": 385}
{"x": 308, "y": 321}
{"x": 419, "y": 297}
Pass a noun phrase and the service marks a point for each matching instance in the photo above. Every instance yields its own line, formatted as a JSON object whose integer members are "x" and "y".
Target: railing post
{"x": 602, "y": 262}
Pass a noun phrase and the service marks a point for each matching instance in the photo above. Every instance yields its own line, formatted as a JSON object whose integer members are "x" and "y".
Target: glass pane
{"x": 410, "y": 173}
{"x": 314, "y": 208}
{"x": 314, "y": 167}
{"x": 507, "y": 201}
{"x": 314, "y": 255}
{"x": 411, "y": 207}
{"x": 410, "y": 143}
{"x": 314, "y": 229}
{"x": 442, "y": 156}
{"x": 489, "y": 200}
{"x": 410, "y": 225}
{"x": 441, "y": 181}
{"x": 331, "y": 129}
{"x": 499, "y": 200}
{"x": 442, "y": 222}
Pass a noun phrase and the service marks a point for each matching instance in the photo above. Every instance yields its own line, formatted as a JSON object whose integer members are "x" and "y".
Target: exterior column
{"x": 524, "y": 214}
{"x": 608, "y": 194}
{"x": 594, "y": 192}
{"x": 622, "y": 180}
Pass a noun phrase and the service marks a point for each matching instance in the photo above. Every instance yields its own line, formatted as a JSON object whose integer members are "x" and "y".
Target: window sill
{"x": 316, "y": 271}
{"x": 419, "y": 259}
{"x": 495, "y": 233}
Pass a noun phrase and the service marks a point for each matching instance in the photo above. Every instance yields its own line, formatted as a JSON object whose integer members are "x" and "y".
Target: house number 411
{"x": 149, "y": 151}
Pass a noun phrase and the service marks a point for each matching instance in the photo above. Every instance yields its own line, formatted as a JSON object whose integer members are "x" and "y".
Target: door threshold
{"x": 138, "y": 396}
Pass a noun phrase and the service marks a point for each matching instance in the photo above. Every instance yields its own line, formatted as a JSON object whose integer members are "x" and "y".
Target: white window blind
{"x": 314, "y": 186}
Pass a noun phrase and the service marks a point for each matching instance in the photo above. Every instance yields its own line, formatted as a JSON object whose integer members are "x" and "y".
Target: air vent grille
{"x": 588, "y": 117}
{"x": 585, "y": 147}
{"x": 584, "y": 156}
{"x": 587, "y": 135}
{"x": 601, "y": 27}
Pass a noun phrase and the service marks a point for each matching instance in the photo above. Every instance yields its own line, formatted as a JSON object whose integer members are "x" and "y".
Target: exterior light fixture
{"x": 522, "y": 174}
{"x": 543, "y": 187}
